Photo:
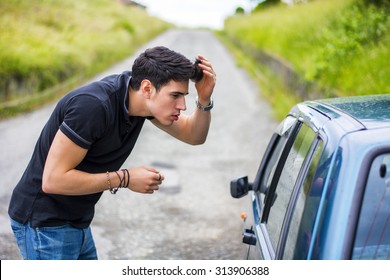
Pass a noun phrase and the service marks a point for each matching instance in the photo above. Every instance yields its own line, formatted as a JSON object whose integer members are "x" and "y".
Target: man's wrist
{"x": 202, "y": 107}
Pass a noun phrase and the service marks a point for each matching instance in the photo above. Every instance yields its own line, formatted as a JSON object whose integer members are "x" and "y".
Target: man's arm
{"x": 192, "y": 129}
{"x": 61, "y": 177}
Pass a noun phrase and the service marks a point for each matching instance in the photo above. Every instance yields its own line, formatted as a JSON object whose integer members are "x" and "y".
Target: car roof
{"x": 372, "y": 111}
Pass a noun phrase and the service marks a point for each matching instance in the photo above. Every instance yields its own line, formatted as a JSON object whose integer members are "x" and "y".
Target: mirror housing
{"x": 240, "y": 187}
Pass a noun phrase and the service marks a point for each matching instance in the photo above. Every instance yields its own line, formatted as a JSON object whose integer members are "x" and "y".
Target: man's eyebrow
{"x": 179, "y": 92}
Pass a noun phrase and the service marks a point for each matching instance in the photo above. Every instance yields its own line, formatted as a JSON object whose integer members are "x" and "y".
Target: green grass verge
{"x": 46, "y": 43}
{"x": 339, "y": 45}
{"x": 273, "y": 89}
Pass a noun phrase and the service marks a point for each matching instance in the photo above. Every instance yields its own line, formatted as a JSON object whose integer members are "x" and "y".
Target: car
{"x": 322, "y": 190}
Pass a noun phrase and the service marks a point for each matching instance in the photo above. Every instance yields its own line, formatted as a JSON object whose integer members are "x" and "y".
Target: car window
{"x": 372, "y": 239}
{"x": 266, "y": 170}
{"x": 271, "y": 164}
{"x": 327, "y": 174}
{"x": 287, "y": 181}
{"x": 305, "y": 210}
{"x": 283, "y": 132}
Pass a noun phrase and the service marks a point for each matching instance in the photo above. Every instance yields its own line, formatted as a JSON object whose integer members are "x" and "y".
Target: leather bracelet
{"x": 204, "y": 108}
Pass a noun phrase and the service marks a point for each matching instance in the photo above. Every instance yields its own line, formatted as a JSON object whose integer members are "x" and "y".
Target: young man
{"x": 88, "y": 137}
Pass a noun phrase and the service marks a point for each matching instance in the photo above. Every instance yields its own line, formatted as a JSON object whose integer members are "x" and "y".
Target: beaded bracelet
{"x": 113, "y": 191}
{"x": 123, "y": 181}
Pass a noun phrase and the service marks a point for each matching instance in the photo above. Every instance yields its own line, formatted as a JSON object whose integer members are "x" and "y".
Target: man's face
{"x": 167, "y": 104}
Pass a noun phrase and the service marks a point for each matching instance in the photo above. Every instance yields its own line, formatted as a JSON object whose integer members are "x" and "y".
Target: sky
{"x": 194, "y": 13}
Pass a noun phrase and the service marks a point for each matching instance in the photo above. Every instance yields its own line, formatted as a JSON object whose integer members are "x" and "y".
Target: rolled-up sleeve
{"x": 85, "y": 120}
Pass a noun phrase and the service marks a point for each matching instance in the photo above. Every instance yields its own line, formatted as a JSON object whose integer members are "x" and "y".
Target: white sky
{"x": 194, "y": 13}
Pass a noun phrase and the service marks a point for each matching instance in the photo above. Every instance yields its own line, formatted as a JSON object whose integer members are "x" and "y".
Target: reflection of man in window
{"x": 312, "y": 202}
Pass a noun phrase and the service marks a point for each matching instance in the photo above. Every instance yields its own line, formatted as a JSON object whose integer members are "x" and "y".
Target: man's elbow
{"x": 46, "y": 188}
{"x": 48, "y": 185}
{"x": 197, "y": 142}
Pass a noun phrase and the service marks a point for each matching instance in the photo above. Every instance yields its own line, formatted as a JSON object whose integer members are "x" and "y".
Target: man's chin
{"x": 166, "y": 123}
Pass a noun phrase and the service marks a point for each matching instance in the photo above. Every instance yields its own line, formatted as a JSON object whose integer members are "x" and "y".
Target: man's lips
{"x": 175, "y": 117}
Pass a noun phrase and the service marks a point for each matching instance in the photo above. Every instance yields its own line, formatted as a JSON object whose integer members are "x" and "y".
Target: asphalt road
{"x": 193, "y": 215}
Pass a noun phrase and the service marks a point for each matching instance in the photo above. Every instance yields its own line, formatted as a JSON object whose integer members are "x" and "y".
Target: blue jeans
{"x": 54, "y": 243}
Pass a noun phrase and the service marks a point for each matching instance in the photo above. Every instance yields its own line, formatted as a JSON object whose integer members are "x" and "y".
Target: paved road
{"x": 193, "y": 215}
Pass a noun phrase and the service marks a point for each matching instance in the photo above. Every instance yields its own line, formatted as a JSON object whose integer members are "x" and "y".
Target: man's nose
{"x": 181, "y": 105}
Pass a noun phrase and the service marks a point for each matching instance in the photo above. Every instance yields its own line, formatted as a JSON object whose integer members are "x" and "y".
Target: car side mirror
{"x": 240, "y": 187}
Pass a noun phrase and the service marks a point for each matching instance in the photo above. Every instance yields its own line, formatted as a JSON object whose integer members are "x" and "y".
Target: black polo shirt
{"x": 95, "y": 117}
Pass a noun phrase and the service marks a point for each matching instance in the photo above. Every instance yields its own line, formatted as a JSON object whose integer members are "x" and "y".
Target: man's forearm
{"x": 199, "y": 126}
{"x": 76, "y": 182}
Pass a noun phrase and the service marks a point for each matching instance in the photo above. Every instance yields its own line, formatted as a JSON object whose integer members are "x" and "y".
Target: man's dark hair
{"x": 161, "y": 65}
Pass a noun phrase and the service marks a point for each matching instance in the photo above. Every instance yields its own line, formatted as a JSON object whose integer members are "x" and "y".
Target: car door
{"x": 282, "y": 171}
{"x": 297, "y": 238}
{"x": 269, "y": 170}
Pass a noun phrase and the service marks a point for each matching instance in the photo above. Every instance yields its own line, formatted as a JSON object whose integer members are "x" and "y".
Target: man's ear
{"x": 146, "y": 88}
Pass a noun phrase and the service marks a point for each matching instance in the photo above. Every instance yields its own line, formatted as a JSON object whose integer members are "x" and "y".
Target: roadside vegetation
{"x": 335, "y": 48}
{"x": 330, "y": 48}
{"x": 49, "y": 46}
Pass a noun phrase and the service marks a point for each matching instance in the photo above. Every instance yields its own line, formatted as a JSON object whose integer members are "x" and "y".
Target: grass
{"x": 276, "y": 92}
{"x": 339, "y": 45}
{"x": 44, "y": 43}
{"x": 289, "y": 32}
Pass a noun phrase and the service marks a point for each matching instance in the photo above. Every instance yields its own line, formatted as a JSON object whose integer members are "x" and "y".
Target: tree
{"x": 385, "y": 4}
{"x": 261, "y": 4}
{"x": 240, "y": 11}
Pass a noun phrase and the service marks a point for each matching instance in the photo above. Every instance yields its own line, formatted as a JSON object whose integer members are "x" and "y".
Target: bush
{"x": 348, "y": 35}
{"x": 340, "y": 45}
